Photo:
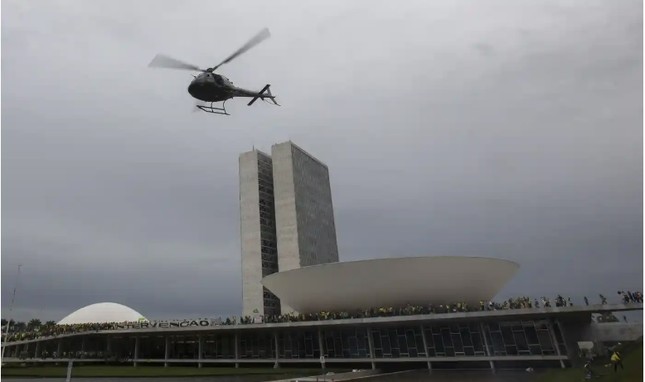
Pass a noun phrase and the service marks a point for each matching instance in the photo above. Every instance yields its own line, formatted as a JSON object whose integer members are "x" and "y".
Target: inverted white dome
{"x": 101, "y": 313}
{"x": 392, "y": 282}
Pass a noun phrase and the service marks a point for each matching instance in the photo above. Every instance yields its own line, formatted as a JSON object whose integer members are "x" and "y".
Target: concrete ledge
{"x": 302, "y": 360}
{"x": 615, "y": 331}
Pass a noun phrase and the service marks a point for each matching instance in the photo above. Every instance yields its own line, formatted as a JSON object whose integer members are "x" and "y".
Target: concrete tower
{"x": 258, "y": 236}
{"x": 287, "y": 219}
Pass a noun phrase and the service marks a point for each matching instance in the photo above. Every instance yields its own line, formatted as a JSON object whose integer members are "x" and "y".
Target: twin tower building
{"x": 286, "y": 220}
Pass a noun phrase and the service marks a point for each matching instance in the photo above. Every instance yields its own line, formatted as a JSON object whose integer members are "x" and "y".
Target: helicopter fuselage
{"x": 210, "y": 87}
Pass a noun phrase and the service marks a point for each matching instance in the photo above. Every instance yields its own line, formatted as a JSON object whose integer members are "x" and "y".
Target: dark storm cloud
{"x": 481, "y": 129}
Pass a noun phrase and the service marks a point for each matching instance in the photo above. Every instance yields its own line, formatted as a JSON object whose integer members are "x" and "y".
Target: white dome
{"x": 101, "y": 313}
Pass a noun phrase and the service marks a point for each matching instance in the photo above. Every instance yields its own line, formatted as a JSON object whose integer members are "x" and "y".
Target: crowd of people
{"x": 631, "y": 296}
{"x": 511, "y": 303}
{"x": 53, "y": 330}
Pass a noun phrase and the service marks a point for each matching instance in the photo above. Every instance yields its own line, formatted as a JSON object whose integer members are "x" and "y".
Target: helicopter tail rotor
{"x": 261, "y": 94}
{"x": 271, "y": 97}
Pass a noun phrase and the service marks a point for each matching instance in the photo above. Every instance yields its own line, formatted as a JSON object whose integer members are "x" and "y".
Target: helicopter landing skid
{"x": 213, "y": 109}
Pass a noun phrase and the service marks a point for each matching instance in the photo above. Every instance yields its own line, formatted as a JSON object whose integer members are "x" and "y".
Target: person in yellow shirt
{"x": 617, "y": 361}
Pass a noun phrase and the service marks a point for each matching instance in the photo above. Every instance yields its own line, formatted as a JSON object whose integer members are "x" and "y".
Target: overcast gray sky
{"x": 510, "y": 129}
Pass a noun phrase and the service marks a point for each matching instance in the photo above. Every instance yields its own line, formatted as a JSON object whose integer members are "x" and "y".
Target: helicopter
{"x": 211, "y": 87}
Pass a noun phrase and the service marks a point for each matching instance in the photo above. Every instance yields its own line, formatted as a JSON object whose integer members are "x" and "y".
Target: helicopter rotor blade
{"x": 258, "y": 38}
{"x": 163, "y": 61}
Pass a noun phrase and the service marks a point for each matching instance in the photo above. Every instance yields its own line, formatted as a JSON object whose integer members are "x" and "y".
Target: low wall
{"x": 615, "y": 331}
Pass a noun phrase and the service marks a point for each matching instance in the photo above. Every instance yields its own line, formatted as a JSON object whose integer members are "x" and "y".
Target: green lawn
{"x": 150, "y": 371}
{"x": 632, "y": 361}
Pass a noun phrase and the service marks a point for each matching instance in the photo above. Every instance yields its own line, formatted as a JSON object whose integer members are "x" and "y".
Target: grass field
{"x": 151, "y": 371}
{"x": 632, "y": 361}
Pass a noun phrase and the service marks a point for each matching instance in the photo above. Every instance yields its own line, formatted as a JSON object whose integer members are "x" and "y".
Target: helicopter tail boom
{"x": 262, "y": 95}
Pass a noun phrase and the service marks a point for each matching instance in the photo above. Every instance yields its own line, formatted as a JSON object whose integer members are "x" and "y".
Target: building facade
{"x": 286, "y": 220}
{"x": 537, "y": 337}
{"x": 258, "y": 233}
{"x": 306, "y": 230}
